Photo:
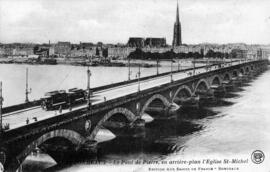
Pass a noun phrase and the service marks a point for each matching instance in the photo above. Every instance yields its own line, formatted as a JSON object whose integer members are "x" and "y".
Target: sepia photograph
{"x": 134, "y": 86}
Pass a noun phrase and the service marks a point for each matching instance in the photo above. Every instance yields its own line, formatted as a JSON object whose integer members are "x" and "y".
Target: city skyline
{"x": 211, "y": 21}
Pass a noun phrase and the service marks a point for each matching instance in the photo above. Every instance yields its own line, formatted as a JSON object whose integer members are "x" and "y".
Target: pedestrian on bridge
{"x": 60, "y": 109}
{"x": 27, "y": 121}
{"x": 35, "y": 119}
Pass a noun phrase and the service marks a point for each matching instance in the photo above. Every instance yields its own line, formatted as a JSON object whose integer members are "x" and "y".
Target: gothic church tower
{"x": 177, "y": 35}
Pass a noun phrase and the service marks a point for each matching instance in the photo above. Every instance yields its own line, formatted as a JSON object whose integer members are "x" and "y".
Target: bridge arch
{"x": 70, "y": 136}
{"x": 235, "y": 73}
{"x": 185, "y": 90}
{"x": 202, "y": 84}
{"x": 227, "y": 77}
{"x": 120, "y": 110}
{"x": 163, "y": 99}
{"x": 242, "y": 71}
{"x": 216, "y": 80}
{"x": 247, "y": 70}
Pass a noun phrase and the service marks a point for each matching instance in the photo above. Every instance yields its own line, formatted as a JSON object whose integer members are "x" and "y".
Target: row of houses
{"x": 154, "y": 45}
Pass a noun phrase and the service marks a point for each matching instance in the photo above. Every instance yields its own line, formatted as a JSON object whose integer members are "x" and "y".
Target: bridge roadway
{"x": 18, "y": 118}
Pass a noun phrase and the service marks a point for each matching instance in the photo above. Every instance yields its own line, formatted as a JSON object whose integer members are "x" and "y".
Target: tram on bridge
{"x": 60, "y": 98}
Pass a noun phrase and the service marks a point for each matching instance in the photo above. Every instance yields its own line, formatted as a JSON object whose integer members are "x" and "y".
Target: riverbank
{"x": 105, "y": 63}
{"x": 76, "y": 62}
{"x": 108, "y": 63}
{"x": 33, "y": 61}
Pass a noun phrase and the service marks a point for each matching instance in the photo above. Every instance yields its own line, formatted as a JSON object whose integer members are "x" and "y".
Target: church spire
{"x": 177, "y": 35}
{"x": 177, "y": 13}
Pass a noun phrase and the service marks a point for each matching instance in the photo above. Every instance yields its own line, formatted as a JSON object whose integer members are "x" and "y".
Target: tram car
{"x": 54, "y": 99}
{"x": 76, "y": 96}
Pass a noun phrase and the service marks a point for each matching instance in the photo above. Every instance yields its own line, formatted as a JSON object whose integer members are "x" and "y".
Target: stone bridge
{"x": 74, "y": 133}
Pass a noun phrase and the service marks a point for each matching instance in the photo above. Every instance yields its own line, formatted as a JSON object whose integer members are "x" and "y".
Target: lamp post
{"x": 171, "y": 66}
{"x": 223, "y": 59}
{"x": 88, "y": 87}
{"x": 138, "y": 76}
{"x": 157, "y": 66}
{"x": 27, "y": 91}
{"x": 171, "y": 72}
{"x": 208, "y": 65}
{"x": 231, "y": 57}
{"x": 178, "y": 64}
{"x": 129, "y": 72}
{"x": 193, "y": 66}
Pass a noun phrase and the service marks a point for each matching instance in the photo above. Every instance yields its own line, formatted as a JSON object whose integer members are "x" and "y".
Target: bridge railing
{"x": 150, "y": 77}
{"x": 17, "y": 107}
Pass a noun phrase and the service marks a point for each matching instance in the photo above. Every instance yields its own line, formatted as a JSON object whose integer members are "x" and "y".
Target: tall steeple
{"x": 177, "y": 35}
{"x": 177, "y": 13}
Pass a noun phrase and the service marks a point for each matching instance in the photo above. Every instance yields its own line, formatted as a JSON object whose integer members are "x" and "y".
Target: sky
{"x": 114, "y": 21}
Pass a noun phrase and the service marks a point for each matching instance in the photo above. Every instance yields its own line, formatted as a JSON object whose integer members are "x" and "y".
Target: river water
{"x": 44, "y": 78}
{"x": 233, "y": 128}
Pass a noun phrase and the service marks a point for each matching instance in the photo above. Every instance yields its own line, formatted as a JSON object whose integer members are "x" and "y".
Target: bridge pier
{"x": 255, "y": 72}
{"x": 250, "y": 75}
{"x": 188, "y": 102}
{"x": 236, "y": 82}
{"x": 64, "y": 155}
{"x": 206, "y": 97}
{"x": 12, "y": 165}
{"x": 8, "y": 162}
{"x": 161, "y": 113}
{"x": 228, "y": 85}
{"x": 259, "y": 69}
{"x": 121, "y": 129}
{"x": 89, "y": 147}
{"x": 157, "y": 112}
{"x": 218, "y": 91}
{"x": 172, "y": 109}
{"x": 243, "y": 78}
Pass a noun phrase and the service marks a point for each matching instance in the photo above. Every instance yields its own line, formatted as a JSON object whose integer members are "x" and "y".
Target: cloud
{"x": 114, "y": 21}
